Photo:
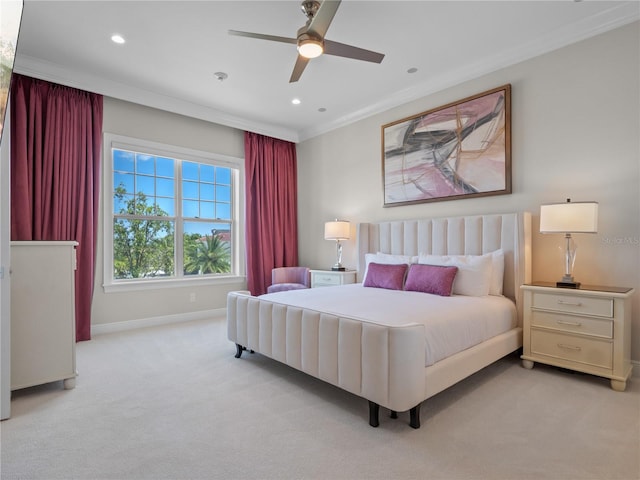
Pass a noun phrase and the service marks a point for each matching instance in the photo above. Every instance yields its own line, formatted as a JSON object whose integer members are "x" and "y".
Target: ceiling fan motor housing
{"x": 309, "y": 8}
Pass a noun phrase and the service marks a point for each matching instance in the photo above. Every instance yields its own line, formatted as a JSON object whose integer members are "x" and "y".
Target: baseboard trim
{"x": 636, "y": 369}
{"x": 102, "y": 328}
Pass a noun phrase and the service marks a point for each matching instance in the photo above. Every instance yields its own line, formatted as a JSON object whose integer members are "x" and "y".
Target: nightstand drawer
{"x": 574, "y": 324}
{"x": 594, "y": 352}
{"x": 580, "y": 304}
{"x": 326, "y": 279}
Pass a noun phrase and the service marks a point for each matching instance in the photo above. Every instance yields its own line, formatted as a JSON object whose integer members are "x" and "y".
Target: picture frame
{"x": 458, "y": 150}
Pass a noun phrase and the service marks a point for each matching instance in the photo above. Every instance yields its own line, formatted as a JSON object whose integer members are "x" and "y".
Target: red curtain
{"x": 56, "y": 138}
{"x": 271, "y": 208}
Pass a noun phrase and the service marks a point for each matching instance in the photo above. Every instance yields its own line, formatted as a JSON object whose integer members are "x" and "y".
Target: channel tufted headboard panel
{"x": 470, "y": 235}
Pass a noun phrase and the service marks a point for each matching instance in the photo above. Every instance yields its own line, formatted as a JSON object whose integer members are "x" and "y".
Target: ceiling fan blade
{"x": 348, "y": 51}
{"x": 260, "y": 36}
{"x": 323, "y": 17}
{"x": 299, "y": 67}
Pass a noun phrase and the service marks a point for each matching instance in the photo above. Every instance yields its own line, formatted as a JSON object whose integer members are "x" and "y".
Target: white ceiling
{"x": 174, "y": 48}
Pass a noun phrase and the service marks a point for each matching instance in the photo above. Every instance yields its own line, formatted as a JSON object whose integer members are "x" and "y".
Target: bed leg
{"x": 374, "y": 409}
{"x": 414, "y": 417}
{"x": 394, "y": 414}
{"x": 240, "y": 349}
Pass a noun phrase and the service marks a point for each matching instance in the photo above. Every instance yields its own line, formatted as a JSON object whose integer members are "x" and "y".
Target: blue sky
{"x": 206, "y": 189}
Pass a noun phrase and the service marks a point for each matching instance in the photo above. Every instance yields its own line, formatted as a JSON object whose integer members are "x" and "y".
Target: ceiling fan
{"x": 310, "y": 39}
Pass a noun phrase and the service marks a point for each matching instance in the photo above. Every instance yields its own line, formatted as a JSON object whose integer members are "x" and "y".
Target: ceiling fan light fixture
{"x": 310, "y": 48}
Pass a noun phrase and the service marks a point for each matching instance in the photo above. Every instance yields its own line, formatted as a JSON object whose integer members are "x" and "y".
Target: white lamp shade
{"x": 337, "y": 230}
{"x": 569, "y": 217}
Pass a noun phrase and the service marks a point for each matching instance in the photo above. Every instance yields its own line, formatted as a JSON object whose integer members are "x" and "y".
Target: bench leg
{"x": 394, "y": 414}
{"x": 414, "y": 417}
{"x": 374, "y": 409}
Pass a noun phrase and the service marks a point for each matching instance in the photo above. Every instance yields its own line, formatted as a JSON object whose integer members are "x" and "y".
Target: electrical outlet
{"x": 192, "y": 297}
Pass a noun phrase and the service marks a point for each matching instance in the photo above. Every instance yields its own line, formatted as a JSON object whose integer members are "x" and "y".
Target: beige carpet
{"x": 173, "y": 403}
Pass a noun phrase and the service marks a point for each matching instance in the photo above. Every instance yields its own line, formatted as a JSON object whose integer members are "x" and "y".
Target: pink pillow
{"x": 385, "y": 276}
{"x": 431, "y": 279}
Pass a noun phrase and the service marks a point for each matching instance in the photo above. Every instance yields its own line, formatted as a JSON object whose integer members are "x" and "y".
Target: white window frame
{"x": 238, "y": 273}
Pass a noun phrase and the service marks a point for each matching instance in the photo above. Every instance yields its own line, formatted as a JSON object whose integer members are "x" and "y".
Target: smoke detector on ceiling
{"x": 221, "y": 76}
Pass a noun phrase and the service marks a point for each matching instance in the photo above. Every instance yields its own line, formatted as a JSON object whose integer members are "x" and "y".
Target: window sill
{"x": 156, "y": 284}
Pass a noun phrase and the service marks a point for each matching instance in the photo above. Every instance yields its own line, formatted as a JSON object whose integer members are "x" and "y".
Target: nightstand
{"x": 330, "y": 278}
{"x": 586, "y": 330}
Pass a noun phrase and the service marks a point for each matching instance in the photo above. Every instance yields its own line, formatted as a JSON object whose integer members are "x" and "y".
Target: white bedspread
{"x": 452, "y": 324}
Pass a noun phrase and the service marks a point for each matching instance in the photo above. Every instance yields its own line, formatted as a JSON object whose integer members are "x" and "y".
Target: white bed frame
{"x": 385, "y": 364}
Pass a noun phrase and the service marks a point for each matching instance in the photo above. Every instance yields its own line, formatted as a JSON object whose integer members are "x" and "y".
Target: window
{"x": 173, "y": 214}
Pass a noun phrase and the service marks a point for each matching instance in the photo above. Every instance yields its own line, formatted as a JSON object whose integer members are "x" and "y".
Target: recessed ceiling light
{"x": 322, "y": 109}
{"x": 116, "y": 38}
{"x": 412, "y": 70}
{"x": 296, "y": 101}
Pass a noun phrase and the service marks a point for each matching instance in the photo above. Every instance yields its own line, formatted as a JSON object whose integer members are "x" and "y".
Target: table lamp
{"x": 337, "y": 230}
{"x": 569, "y": 217}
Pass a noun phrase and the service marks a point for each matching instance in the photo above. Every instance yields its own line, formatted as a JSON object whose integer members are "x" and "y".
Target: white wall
{"x": 132, "y": 120}
{"x": 575, "y": 134}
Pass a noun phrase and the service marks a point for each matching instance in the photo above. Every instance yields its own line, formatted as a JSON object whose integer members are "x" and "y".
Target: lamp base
{"x": 568, "y": 284}
{"x": 338, "y": 269}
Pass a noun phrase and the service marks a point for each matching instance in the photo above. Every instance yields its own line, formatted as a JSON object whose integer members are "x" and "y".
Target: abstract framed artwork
{"x": 459, "y": 150}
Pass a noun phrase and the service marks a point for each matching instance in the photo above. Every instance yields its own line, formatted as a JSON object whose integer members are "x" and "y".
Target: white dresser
{"x": 586, "y": 329}
{"x": 329, "y": 278}
{"x": 43, "y": 330}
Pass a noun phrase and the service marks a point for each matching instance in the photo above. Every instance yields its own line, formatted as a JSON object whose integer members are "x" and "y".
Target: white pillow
{"x": 497, "y": 271}
{"x": 497, "y": 275}
{"x": 387, "y": 259}
{"x": 474, "y": 272}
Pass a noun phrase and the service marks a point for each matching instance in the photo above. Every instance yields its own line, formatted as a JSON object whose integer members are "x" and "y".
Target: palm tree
{"x": 207, "y": 255}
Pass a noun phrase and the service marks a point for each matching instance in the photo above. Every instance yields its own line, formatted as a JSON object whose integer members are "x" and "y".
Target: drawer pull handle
{"x": 573, "y": 304}
{"x": 573, "y": 324}
{"x": 569, "y": 347}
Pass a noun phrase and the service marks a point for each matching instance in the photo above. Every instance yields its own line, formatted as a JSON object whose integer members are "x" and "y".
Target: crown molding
{"x": 614, "y": 17}
{"x": 52, "y": 72}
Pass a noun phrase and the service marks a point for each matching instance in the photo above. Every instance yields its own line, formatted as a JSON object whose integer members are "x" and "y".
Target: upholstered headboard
{"x": 470, "y": 235}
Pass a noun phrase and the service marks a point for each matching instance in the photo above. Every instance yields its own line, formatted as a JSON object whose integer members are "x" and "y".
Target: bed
{"x": 393, "y": 347}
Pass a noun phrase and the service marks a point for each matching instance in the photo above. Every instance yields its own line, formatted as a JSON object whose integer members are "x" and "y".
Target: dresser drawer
{"x": 574, "y": 324}
{"x": 580, "y": 304}
{"x": 589, "y": 351}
